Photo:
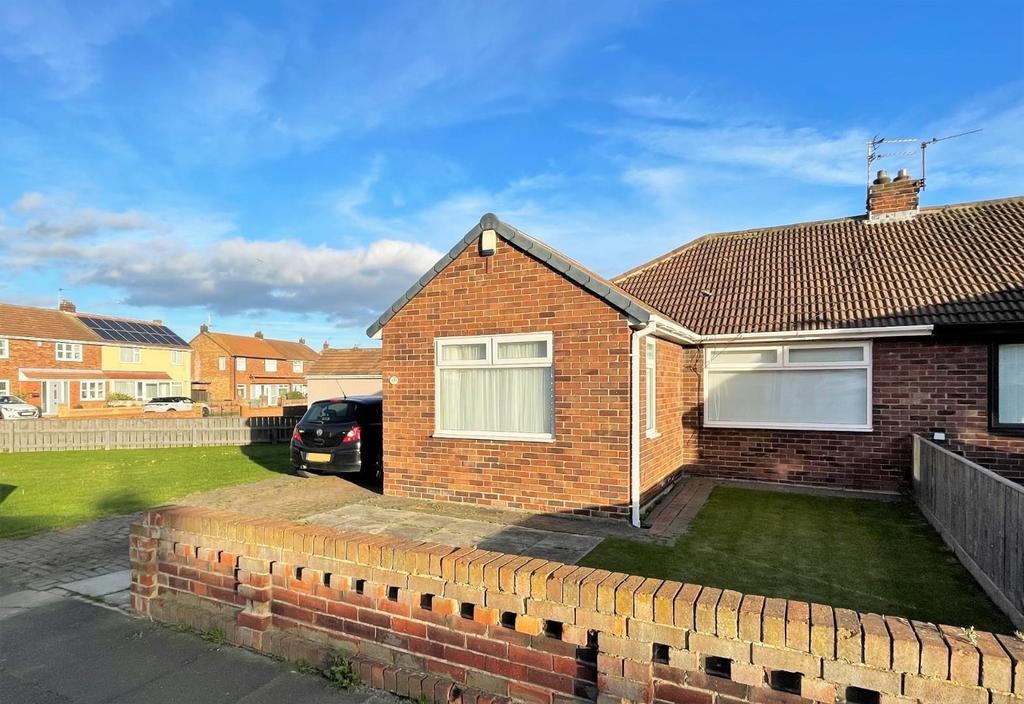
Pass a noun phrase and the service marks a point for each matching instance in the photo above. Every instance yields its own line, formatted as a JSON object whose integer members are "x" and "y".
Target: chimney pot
{"x": 67, "y": 306}
{"x": 204, "y": 328}
{"x": 158, "y": 322}
{"x": 327, "y": 345}
{"x": 903, "y": 175}
{"x": 258, "y": 334}
{"x": 882, "y": 177}
{"x": 302, "y": 340}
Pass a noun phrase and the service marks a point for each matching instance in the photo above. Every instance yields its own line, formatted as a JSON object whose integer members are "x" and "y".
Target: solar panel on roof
{"x": 132, "y": 331}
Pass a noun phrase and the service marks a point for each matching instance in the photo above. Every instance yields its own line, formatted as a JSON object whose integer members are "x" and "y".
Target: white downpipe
{"x": 634, "y": 423}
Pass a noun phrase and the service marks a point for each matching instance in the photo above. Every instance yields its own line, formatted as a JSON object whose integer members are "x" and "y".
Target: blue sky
{"x": 294, "y": 166}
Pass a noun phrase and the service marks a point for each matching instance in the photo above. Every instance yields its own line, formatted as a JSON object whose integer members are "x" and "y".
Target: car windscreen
{"x": 10, "y": 399}
{"x": 330, "y": 412}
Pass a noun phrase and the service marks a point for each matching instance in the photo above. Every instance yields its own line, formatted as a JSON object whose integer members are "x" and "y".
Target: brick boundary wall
{"x": 469, "y": 625}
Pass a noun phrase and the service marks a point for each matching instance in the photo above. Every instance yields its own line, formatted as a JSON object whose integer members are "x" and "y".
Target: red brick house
{"x": 804, "y": 354}
{"x": 248, "y": 369}
{"x": 54, "y": 358}
{"x": 349, "y": 371}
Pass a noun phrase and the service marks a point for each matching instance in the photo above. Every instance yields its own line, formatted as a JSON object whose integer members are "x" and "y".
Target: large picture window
{"x": 810, "y": 387}
{"x": 495, "y": 387}
{"x": 1007, "y": 387}
{"x": 131, "y": 355}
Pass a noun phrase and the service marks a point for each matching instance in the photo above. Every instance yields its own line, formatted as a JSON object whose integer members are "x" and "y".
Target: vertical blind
{"x": 495, "y": 386}
{"x": 1011, "y": 384}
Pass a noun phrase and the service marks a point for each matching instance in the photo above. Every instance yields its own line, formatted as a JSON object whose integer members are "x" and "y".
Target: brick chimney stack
{"x": 67, "y": 306}
{"x": 894, "y": 199}
{"x": 258, "y": 335}
{"x": 204, "y": 328}
{"x": 327, "y": 345}
{"x": 302, "y": 340}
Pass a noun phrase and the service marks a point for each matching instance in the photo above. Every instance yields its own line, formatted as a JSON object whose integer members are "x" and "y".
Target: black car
{"x": 340, "y": 436}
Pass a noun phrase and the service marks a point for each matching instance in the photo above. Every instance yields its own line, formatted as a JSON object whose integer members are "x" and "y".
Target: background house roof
{"x": 950, "y": 265}
{"x": 596, "y": 284}
{"x": 44, "y": 323}
{"x": 261, "y": 348}
{"x": 149, "y": 333}
{"x": 352, "y": 360}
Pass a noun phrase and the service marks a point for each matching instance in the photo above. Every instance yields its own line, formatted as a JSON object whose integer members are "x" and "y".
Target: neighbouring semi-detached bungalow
{"x": 350, "y": 371}
{"x": 805, "y": 354}
{"x": 63, "y": 357}
{"x": 240, "y": 368}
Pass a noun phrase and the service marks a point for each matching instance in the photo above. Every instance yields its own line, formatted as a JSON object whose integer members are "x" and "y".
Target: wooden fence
{"x": 980, "y": 515}
{"x": 133, "y": 433}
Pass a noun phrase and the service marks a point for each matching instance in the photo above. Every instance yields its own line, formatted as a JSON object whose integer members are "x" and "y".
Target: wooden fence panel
{"x": 980, "y": 515}
{"x": 131, "y": 433}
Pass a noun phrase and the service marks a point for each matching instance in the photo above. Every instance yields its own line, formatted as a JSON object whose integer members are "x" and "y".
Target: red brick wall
{"x": 468, "y": 626}
{"x": 920, "y": 386}
{"x": 205, "y": 353}
{"x": 32, "y": 354}
{"x": 677, "y": 403}
{"x": 586, "y": 467}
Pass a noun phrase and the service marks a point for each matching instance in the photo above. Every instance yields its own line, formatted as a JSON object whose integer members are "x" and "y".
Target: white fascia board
{"x": 674, "y": 331}
{"x": 830, "y": 334}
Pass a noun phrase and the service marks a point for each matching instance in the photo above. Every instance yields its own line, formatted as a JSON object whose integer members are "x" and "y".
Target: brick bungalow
{"x": 802, "y": 354}
{"x": 240, "y": 368}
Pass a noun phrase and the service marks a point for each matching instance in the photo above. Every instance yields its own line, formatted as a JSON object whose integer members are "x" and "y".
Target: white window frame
{"x": 782, "y": 357}
{"x": 68, "y": 351}
{"x": 92, "y": 390}
{"x": 491, "y": 360}
{"x": 297, "y": 366}
{"x": 651, "y": 382}
{"x": 239, "y": 364}
{"x": 178, "y": 357}
{"x": 131, "y": 355}
{"x": 270, "y": 365}
{"x": 5, "y": 387}
{"x": 5, "y": 348}
{"x": 222, "y": 364}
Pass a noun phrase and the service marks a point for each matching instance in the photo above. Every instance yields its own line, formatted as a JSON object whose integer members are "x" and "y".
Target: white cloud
{"x": 62, "y": 39}
{"x": 150, "y": 262}
{"x": 29, "y": 202}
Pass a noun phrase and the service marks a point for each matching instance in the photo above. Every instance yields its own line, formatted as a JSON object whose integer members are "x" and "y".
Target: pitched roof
{"x": 44, "y": 323}
{"x": 294, "y": 350}
{"x": 950, "y": 265}
{"x": 599, "y": 286}
{"x": 353, "y": 360}
{"x": 260, "y": 348}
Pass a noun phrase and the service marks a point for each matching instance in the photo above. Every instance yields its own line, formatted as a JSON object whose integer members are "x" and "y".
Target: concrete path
{"x": 671, "y": 517}
{"x": 60, "y": 650}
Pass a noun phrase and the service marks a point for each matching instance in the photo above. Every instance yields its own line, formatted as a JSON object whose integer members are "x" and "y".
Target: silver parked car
{"x": 14, "y": 408}
{"x": 171, "y": 404}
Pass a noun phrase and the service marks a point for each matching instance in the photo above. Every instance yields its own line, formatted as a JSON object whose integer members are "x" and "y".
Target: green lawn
{"x": 870, "y": 556}
{"x": 45, "y": 490}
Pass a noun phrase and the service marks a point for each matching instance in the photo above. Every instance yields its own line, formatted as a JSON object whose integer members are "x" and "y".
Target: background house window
{"x": 177, "y": 357}
{"x": 1008, "y": 387}
{"x": 651, "y": 367}
{"x": 297, "y": 367}
{"x": 5, "y": 387}
{"x": 270, "y": 365}
{"x": 812, "y": 387}
{"x": 240, "y": 364}
{"x": 5, "y": 348}
{"x": 131, "y": 355}
{"x": 69, "y": 352}
{"x": 92, "y": 390}
{"x": 495, "y": 387}
{"x": 126, "y": 387}
{"x": 222, "y": 363}
{"x": 240, "y": 391}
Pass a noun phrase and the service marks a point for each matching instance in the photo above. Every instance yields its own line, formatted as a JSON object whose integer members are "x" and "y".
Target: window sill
{"x": 783, "y": 426}
{"x": 653, "y": 434}
{"x": 500, "y": 437}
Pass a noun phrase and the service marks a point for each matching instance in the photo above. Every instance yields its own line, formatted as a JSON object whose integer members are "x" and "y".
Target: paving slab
{"x": 100, "y": 586}
{"x": 66, "y": 651}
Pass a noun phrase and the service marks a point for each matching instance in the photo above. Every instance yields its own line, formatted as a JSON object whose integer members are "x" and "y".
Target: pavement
{"x": 58, "y": 649}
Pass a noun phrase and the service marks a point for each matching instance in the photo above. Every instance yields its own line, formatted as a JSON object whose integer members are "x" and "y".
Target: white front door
{"x": 54, "y": 394}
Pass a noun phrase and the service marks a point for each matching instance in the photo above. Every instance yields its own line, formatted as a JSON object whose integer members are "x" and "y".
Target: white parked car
{"x": 14, "y": 408}
{"x": 171, "y": 404}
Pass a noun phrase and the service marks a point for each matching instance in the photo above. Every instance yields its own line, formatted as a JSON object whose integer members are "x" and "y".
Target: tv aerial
{"x": 875, "y": 155}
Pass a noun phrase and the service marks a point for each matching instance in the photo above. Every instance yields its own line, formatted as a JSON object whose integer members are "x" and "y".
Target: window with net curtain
{"x": 1010, "y": 385}
{"x": 825, "y": 387}
{"x": 496, "y": 386}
